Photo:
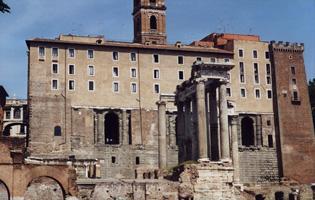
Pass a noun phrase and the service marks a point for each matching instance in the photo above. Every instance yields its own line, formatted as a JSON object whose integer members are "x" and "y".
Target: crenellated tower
{"x": 149, "y": 21}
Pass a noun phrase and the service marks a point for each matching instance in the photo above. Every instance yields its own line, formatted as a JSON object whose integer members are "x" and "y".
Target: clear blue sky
{"x": 187, "y": 20}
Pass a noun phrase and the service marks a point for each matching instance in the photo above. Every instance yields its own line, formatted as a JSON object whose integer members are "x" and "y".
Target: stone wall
{"x": 258, "y": 165}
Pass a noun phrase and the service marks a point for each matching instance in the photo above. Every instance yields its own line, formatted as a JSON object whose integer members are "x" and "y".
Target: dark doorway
{"x": 248, "y": 132}
{"x": 279, "y": 196}
{"x": 111, "y": 129}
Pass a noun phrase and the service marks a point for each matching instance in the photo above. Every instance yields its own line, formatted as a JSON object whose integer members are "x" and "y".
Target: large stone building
{"x": 114, "y": 120}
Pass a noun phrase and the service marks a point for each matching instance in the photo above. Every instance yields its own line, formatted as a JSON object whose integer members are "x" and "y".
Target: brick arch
{"x": 63, "y": 192}
{"x": 60, "y": 174}
{"x": 5, "y": 187}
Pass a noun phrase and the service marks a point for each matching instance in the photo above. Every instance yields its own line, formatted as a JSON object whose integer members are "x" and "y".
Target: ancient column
{"x": 162, "y": 135}
{"x": 258, "y": 131}
{"x": 12, "y": 113}
{"x": 180, "y": 131}
{"x": 202, "y": 124}
{"x": 224, "y": 125}
{"x": 100, "y": 129}
{"x": 235, "y": 156}
{"x": 21, "y": 112}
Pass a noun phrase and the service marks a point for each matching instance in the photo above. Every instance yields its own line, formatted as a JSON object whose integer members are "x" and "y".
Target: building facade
{"x": 15, "y": 118}
{"x": 116, "y": 120}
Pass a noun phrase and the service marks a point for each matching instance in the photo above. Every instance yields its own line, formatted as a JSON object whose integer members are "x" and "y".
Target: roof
{"x": 231, "y": 36}
{"x": 120, "y": 44}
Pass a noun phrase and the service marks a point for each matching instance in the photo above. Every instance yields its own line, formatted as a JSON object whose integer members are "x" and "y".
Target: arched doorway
{"x": 15, "y": 129}
{"x": 111, "y": 128}
{"x": 44, "y": 187}
{"x": 248, "y": 138}
{"x": 4, "y": 192}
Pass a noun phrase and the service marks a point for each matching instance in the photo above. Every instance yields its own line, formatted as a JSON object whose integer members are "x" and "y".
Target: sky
{"x": 187, "y": 20}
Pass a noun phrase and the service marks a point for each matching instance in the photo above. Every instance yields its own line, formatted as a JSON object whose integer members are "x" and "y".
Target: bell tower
{"x": 149, "y": 21}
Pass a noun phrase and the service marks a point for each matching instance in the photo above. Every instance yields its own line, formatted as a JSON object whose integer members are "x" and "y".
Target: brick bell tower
{"x": 149, "y": 21}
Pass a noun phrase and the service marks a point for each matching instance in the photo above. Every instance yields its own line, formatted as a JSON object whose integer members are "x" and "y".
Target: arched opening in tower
{"x": 153, "y": 23}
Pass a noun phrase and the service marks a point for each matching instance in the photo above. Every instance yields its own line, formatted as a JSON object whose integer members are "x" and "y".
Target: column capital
{"x": 234, "y": 119}
{"x": 200, "y": 80}
{"x": 161, "y": 103}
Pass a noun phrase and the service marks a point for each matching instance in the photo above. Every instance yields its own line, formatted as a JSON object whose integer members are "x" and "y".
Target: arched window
{"x": 153, "y": 23}
{"x": 111, "y": 128}
{"x": 57, "y": 131}
{"x": 248, "y": 138}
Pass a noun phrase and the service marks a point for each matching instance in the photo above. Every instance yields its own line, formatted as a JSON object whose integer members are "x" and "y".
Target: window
{"x": 54, "y": 84}
{"x": 243, "y": 92}
{"x": 226, "y": 60}
{"x": 267, "y": 56}
{"x": 156, "y": 74}
{"x": 54, "y": 52}
{"x": 156, "y": 58}
{"x": 133, "y": 56}
{"x": 113, "y": 159}
{"x": 241, "y": 53}
{"x": 90, "y": 54}
{"x": 269, "y": 94}
{"x": 133, "y": 88}
{"x": 115, "y": 87}
{"x": 293, "y": 70}
{"x": 91, "y": 70}
{"x": 255, "y": 54}
{"x": 41, "y": 52}
{"x": 57, "y": 131}
{"x": 180, "y": 75}
{"x": 71, "y": 85}
{"x": 256, "y": 73}
{"x": 133, "y": 73}
{"x": 153, "y": 23}
{"x": 199, "y": 59}
{"x": 71, "y": 70}
{"x": 8, "y": 114}
{"x": 229, "y": 76}
{"x": 180, "y": 60}
{"x": 17, "y": 113}
{"x": 268, "y": 74}
{"x": 115, "y": 55}
{"x": 228, "y": 92}
{"x": 55, "y": 69}
{"x": 137, "y": 160}
{"x": 257, "y": 93}
{"x": 268, "y": 122}
{"x": 242, "y": 72}
{"x": 293, "y": 81}
{"x": 115, "y": 72}
{"x": 71, "y": 53}
{"x": 295, "y": 96}
{"x": 91, "y": 86}
{"x": 156, "y": 88}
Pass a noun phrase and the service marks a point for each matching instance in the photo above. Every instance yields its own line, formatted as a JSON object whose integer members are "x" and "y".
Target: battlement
{"x": 287, "y": 46}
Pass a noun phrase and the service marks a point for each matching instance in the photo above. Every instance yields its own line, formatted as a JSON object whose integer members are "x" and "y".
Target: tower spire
{"x": 149, "y": 21}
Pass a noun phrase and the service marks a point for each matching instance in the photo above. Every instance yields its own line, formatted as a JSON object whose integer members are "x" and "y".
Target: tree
{"x": 311, "y": 89}
{"x": 4, "y": 7}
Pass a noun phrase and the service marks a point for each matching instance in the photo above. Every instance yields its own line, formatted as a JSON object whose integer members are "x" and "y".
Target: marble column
{"x": 224, "y": 125}
{"x": 235, "y": 155}
{"x": 162, "y": 135}
{"x": 21, "y": 113}
{"x": 202, "y": 124}
{"x": 12, "y": 113}
{"x": 188, "y": 135}
{"x": 100, "y": 128}
{"x": 180, "y": 131}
